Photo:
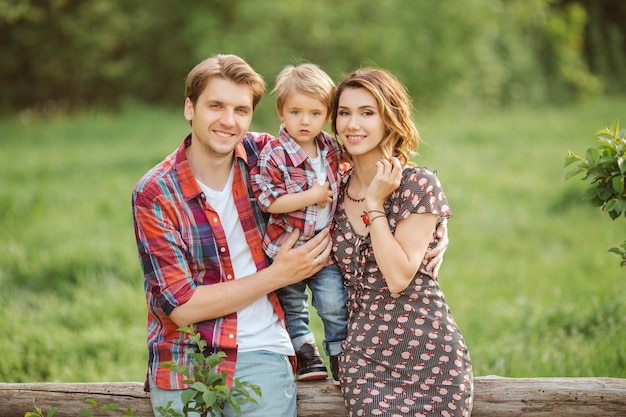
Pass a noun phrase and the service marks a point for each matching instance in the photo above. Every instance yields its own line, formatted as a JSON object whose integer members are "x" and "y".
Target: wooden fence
{"x": 494, "y": 397}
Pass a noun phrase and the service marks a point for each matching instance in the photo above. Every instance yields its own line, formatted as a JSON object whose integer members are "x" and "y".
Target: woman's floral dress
{"x": 404, "y": 355}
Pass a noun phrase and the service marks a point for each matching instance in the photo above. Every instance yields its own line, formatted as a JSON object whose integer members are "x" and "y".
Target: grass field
{"x": 527, "y": 274}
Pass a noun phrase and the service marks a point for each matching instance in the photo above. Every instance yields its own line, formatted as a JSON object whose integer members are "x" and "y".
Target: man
{"x": 199, "y": 234}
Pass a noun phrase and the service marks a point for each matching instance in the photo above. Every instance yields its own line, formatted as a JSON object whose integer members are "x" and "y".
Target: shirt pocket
{"x": 296, "y": 182}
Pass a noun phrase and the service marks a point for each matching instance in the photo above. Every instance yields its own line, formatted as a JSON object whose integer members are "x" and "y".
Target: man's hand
{"x": 436, "y": 254}
{"x": 296, "y": 264}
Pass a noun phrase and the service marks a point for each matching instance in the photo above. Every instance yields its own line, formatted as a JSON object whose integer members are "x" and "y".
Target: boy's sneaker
{"x": 334, "y": 368}
{"x": 310, "y": 364}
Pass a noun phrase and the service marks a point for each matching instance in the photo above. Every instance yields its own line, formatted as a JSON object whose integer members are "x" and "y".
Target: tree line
{"x": 73, "y": 54}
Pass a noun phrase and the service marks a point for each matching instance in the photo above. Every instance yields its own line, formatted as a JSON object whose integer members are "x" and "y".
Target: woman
{"x": 404, "y": 354}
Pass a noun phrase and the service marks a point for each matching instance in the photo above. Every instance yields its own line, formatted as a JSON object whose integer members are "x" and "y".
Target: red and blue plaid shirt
{"x": 284, "y": 168}
{"x": 182, "y": 245}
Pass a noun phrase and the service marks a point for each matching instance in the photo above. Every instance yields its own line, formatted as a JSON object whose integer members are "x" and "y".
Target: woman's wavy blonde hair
{"x": 401, "y": 136}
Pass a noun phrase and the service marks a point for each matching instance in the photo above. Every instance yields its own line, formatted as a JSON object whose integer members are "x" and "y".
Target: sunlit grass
{"x": 528, "y": 274}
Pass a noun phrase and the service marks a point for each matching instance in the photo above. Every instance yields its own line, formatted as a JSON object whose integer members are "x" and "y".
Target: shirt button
{"x": 229, "y": 276}
{"x": 222, "y": 249}
{"x": 214, "y": 219}
{"x": 230, "y": 336}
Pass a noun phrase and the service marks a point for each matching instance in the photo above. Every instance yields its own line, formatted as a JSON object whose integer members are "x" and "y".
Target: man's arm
{"x": 290, "y": 265}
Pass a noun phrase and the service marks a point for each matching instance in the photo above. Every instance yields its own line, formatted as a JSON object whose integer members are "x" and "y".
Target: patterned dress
{"x": 404, "y": 355}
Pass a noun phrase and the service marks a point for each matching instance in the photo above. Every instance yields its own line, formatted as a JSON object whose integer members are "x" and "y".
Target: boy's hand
{"x": 323, "y": 193}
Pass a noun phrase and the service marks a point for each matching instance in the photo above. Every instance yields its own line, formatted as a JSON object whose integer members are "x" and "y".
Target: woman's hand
{"x": 387, "y": 179}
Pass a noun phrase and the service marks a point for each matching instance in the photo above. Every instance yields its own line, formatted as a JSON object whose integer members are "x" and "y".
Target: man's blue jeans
{"x": 328, "y": 296}
{"x": 271, "y": 371}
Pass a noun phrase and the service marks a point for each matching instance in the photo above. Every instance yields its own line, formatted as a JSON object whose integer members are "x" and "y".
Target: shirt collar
{"x": 187, "y": 180}
{"x": 294, "y": 151}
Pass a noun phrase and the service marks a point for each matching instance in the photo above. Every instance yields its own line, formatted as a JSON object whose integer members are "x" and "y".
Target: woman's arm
{"x": 398, "y": 255}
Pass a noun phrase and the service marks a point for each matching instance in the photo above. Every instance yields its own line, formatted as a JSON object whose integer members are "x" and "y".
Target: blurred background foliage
{"x": 72, "y": 54}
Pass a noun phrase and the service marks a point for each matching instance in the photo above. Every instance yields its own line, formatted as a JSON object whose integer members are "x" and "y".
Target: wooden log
{"x": 494, "y": 397}
{"x": 17, "y": 399}
{"x": 549, "y": 397}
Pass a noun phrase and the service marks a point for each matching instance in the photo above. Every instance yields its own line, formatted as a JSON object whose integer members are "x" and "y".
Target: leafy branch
{"x": 604, "y": 168}
{"x": 209, "y": 394}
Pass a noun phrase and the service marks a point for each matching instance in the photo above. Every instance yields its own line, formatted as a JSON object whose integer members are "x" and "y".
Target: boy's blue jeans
{"x": 328, "y": 296}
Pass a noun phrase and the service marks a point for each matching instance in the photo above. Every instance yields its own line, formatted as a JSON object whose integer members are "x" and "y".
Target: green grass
{"x": 527, "y": 274}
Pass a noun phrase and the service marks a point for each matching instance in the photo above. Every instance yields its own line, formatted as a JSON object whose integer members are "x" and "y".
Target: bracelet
{"x": 376, "y": 211}
{"x": 366, "y": 218}
{"x": 377, "y": 217}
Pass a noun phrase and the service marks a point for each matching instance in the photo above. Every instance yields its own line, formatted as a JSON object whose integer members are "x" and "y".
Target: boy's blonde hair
{"x": 307, "y": 79}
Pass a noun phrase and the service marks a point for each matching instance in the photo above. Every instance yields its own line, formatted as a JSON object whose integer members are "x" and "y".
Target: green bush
{"x": 73, "y": 54}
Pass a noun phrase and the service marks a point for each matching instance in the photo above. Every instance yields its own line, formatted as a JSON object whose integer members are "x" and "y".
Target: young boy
{"x": 296, "y": 181}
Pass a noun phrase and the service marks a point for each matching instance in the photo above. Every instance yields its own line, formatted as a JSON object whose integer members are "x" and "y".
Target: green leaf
{"x": 615, "y": 127}
{"x": 86, "y": 412}
{"x": 572, "y": 157}
{"x": 91, "y": 401}
{"x": 592, "y": 177}
{"x": 235, "y": 406}
{"x": 605, "y": 192}
{"x": 590, "y": 193}
{"x": 222, "y": 389}
{"x": 610, "y": 204}
{"x": 618, "y": 184}
{"x": 110, "y": 407}
{"x": 209, "y": 398}
{"x": 592, "y": 154}
{"x": 216, "y": 379}
{"x": 130, "y": 413}
{"x": 198, "y": 386}
{"x": 614, "y": 214}
{"x": 187, "y": 396}
{"x": 606, "y": 161}
{"x": 256, "y": 389}
{"x": 621, "y": 164}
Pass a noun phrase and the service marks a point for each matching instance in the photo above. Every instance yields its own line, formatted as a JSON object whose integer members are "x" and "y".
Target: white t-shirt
{"x": 258, "y": 326}
{"x": 323, "y": 214}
